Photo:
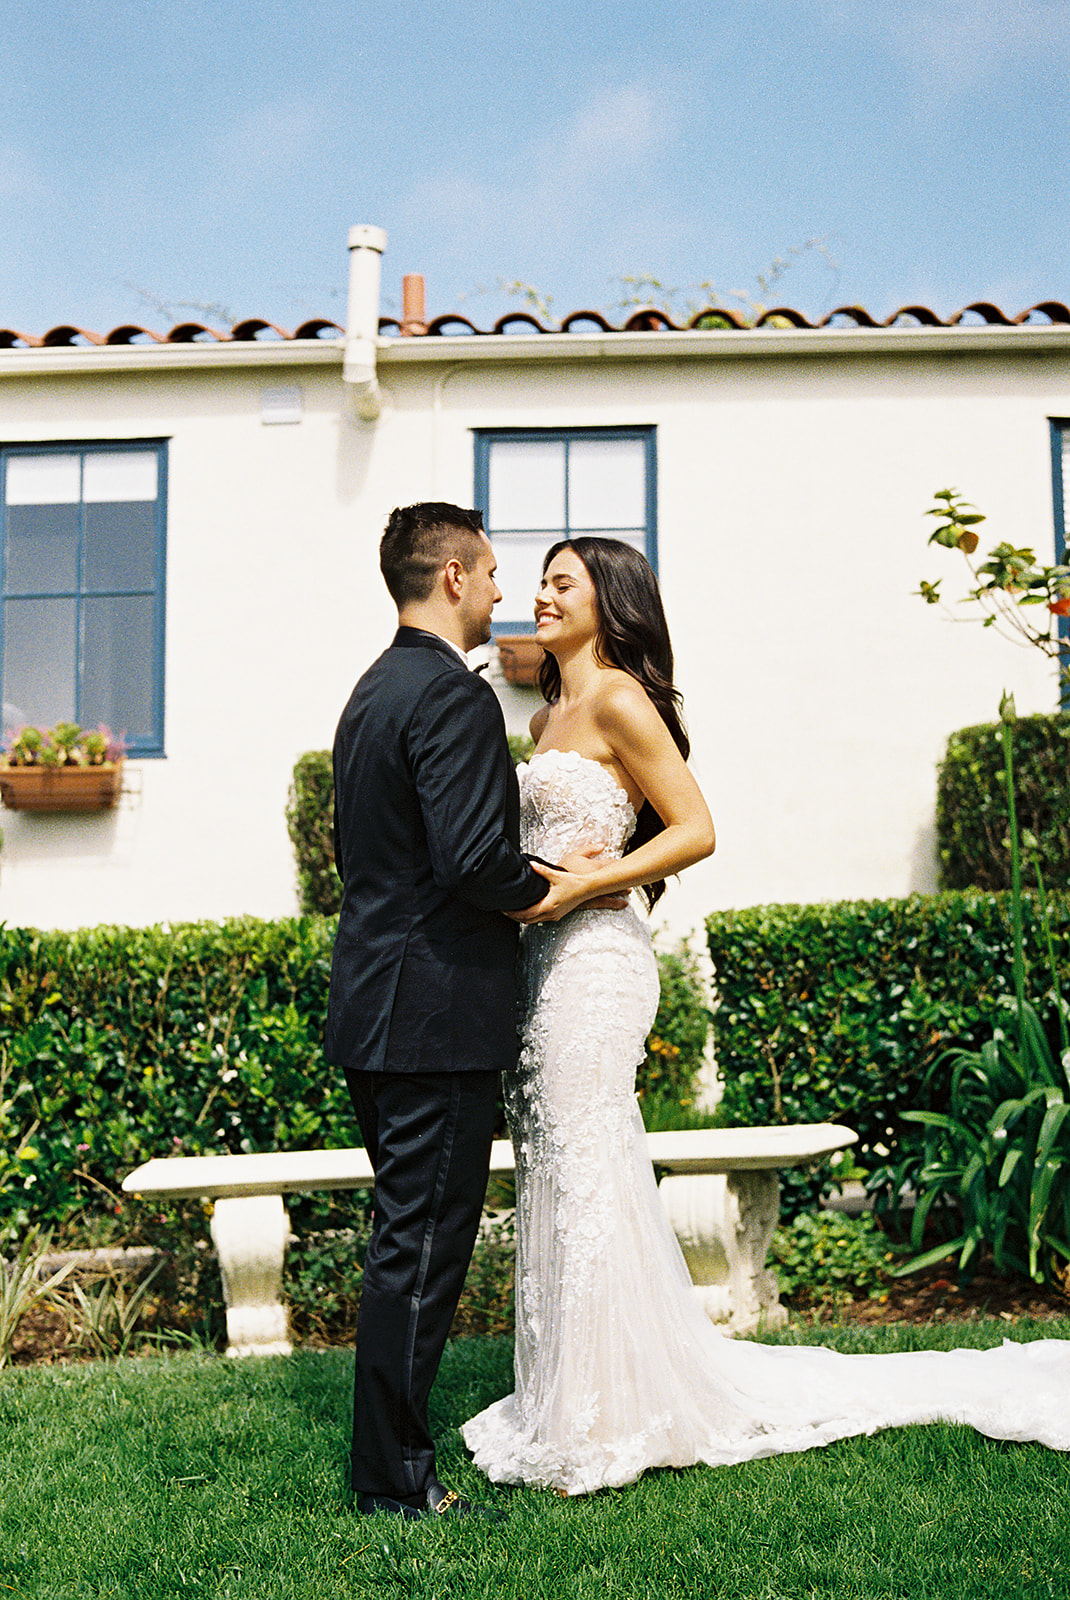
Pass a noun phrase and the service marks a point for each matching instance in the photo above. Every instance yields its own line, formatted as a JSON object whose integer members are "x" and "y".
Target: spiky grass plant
{"x": 999, "y": 1158}
{"x": 22, "y": 1286}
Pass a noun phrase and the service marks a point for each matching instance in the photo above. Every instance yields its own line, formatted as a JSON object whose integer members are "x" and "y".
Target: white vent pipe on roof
{"x": 366, "y": 246}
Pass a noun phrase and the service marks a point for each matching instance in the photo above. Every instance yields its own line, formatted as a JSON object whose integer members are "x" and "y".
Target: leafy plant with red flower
{"x": 1007, "y": 582}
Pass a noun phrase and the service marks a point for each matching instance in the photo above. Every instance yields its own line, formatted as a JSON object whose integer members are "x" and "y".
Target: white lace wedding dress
{"x": 617, "y": 1366}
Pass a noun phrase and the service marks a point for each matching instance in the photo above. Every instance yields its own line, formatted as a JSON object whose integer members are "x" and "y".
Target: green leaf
{"x": 1010, "y": 1163}
{"x": 1038, "y": 1204}
{"x": 922, "y": 1208}
{"x": 939, "y": 1252}
{"x": 1054, "y": 1118}
{"x": 934, "y": 1119}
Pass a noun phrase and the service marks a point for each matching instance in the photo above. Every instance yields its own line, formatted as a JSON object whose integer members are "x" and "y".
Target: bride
{"x": 617, "y": 1368}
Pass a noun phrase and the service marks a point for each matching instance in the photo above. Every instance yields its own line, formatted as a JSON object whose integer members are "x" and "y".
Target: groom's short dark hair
{"x": 418, "y": 542}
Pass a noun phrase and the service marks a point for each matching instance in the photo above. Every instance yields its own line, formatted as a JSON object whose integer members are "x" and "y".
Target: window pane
{"x": 526, "y": 485}
{"x": 120, "y": 475}
{"x": 42, "y": 549}
{"x": 80, "y": 531}
{"x": 40, "y": 659}
{"x": 606, "y": 484}
{"x": 118, "y": 665}
{"x": 635, "y": 537}
{"x": 120, "y": 545}
{"x": 42, "y": 480}
{"x": 520, "y": 558}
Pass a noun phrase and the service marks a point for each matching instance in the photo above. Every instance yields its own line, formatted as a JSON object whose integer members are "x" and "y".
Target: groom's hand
{"x": 567, "y": 891}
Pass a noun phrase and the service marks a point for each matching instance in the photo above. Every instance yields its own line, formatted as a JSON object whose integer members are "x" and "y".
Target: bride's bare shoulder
{"x": 537, "y": 725}
{"x": 628, "y": 720}
{"x": 620, "y": 698}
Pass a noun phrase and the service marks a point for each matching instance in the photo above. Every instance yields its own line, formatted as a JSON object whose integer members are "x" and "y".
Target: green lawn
{"x": 161, "y": 1477}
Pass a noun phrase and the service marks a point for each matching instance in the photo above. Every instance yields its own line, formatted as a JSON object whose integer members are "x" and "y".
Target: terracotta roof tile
{"x": 987, "y": 312}
{"x": 643, "y": 319}
{"x": 67, "y": 335}
{"x": 182, "y": 333}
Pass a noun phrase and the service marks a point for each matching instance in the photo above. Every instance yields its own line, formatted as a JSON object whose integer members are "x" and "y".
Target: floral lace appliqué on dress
{"x": 617, "y": 1366}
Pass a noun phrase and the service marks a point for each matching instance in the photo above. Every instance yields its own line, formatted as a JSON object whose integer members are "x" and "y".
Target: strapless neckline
{"x": 571, "y": 759}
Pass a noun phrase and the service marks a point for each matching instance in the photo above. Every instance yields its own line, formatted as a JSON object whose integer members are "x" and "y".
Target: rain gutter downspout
{"x": 366, "y": 246}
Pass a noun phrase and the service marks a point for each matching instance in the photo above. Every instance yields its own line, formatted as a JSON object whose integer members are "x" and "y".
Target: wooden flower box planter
{"x": 520, "y": 655}
{"x": 40, "y": 788}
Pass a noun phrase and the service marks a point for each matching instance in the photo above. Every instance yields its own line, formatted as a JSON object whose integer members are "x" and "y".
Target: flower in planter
{"x": 64, "y": 737}
{"x": 24, "y": 749}
{"x": 100, "y": 745}
{"x": 65, "y": 745}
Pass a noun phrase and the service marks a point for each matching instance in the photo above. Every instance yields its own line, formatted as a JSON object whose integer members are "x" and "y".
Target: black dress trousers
{"x": 428, "y": 1136}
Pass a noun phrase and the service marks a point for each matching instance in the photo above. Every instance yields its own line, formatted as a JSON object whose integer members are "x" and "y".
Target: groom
{"x": 422, "y": 1012}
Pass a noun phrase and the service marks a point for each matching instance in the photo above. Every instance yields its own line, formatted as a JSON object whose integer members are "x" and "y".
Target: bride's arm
{"x": 644, "y": 747}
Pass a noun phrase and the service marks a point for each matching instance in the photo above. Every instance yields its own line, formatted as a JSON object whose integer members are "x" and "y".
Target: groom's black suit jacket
{"x": 427, "y": 816}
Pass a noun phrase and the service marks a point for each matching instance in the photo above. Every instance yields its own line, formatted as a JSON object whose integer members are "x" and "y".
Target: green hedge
{"x": 120, "y": 1044}
{"x": 123, "y": 1043}
{"x": 310, "y": 823}
{"x": 971, "y": 802}
{"x": 837, "y": 1012}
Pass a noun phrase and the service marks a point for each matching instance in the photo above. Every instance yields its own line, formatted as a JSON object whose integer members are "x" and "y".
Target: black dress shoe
{"x": 440, "y": 1503}
{"x": 369, "y": 1504}
{"x": 448, "y": 1503}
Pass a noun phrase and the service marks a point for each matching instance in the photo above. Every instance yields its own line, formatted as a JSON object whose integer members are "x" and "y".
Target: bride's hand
{"x": 567, "y": 890}
{"x": 582, "y": 860}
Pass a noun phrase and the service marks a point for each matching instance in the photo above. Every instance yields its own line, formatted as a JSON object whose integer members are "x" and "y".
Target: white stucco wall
{"x": 819, "y": 690}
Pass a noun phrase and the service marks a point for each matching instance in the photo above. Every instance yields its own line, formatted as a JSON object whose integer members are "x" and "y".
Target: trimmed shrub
{"x": 310, "y": 824}
{"x": 836, "y": 1013}
{"x": 119, "y": 1044}
{"x": 676, "y": 1048}
{"x": 971, "y": 802}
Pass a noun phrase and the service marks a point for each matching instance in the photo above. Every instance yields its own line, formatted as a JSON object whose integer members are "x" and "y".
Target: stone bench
{"x": 720, "y": 1190}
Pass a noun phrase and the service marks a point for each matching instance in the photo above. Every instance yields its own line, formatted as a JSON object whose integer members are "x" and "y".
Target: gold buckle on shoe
{"x": 450, "y": 1498}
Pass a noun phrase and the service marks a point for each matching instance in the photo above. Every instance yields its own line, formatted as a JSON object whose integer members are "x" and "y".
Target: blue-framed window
{"x": 82, "y": 546}
{"x": 1060, "y": 486}
{"x": 538, "y": 485}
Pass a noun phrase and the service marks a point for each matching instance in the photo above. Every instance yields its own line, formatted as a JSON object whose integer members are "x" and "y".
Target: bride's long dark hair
{"x": 634, "y": 636}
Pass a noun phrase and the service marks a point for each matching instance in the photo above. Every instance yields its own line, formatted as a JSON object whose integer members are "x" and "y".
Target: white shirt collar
{"x": 453, "y": 646}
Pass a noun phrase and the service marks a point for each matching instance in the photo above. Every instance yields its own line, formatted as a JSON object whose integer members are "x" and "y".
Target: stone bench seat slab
{"x": 720, "y": 1191}
{"x": 302, "y": 1171}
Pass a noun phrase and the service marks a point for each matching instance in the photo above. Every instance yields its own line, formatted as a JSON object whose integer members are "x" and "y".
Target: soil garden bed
{"x": 933, "y": 1295}
{"x": 928, "y": 1296}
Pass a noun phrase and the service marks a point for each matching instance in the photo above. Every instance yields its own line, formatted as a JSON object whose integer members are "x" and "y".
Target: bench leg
{"x": 724, "y": 1224}
{"x": 250, "y": 1234}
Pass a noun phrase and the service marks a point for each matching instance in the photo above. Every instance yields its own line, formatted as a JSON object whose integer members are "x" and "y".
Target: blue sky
{"x": 215, "y": 155}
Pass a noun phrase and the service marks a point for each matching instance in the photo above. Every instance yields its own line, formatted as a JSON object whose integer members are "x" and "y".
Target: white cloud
{"x": 20, "y": 177}
{"x": 260, "y": 140}
{"x": 586, "y": 175}
{"x": 618, "y": 124}
{"x": 963, "y": 42}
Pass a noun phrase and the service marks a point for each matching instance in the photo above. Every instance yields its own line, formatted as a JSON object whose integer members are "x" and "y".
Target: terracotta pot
{"x": 61, "y": 788}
